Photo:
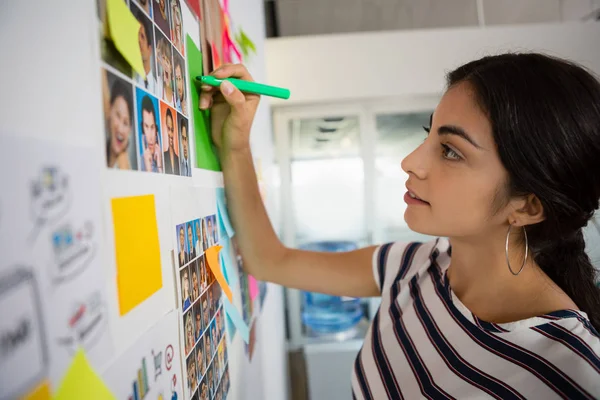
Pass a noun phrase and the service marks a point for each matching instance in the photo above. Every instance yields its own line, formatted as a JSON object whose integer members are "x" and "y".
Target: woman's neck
{"x": 480, "y": 278}
{"x": 112, "y": 158}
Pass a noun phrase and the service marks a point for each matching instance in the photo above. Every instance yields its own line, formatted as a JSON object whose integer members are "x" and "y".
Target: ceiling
{"x": 315, "y": 17}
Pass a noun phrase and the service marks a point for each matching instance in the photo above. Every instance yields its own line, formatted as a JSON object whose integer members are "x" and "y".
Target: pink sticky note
{"x": 252, "y": 287}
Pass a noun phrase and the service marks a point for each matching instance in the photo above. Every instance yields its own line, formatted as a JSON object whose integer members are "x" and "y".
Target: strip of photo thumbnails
{"x": 146, "y": 120}
{"x": 203, "y": 318}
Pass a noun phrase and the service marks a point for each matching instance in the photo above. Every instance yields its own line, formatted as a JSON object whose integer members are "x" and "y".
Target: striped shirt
{"x": 424, "y": 343}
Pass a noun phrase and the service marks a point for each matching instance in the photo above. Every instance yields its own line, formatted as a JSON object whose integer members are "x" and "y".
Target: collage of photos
{"x": 146, "y": 119}
{"x": 203, "y": 321}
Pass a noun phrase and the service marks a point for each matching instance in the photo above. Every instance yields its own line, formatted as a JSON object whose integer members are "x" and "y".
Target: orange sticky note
{"x": 212, "y": 256}
{"x": 137, "y": 248}
{"x": 82, "y": 382}
{"x": 40, "y": 392}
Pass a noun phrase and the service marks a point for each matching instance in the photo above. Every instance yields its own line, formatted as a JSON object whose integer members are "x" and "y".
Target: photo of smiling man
{"x": 186, "y": 167}
{"x": 149, "y": 132}
{"x": 170, "y": 139}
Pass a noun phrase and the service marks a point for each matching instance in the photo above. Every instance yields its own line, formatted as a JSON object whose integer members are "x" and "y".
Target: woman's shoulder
{"x": 401, "y": 260}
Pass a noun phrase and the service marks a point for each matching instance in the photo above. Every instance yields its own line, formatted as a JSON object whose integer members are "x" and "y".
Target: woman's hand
{"x": 232, "y": 112}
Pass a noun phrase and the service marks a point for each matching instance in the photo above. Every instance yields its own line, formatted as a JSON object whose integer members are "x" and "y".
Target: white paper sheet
{"x": 151, "y": 367}
{"x": 52, "y": 281}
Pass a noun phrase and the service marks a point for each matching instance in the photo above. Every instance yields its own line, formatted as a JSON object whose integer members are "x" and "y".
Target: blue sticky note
{"x": 228, "y": 265}
{"x": 237, "y": 319}
{"x": 222, "y": 213}
{"x": 230, "y": 327}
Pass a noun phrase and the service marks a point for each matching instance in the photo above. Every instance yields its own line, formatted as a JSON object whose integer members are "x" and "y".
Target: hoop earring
{"x": 526, "y": 251}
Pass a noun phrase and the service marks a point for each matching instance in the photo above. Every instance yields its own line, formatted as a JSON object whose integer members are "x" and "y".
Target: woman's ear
{"x": 528, "y": 211}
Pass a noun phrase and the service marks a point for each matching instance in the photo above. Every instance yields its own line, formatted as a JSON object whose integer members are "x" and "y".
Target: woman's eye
{"x": 450, "y": 154}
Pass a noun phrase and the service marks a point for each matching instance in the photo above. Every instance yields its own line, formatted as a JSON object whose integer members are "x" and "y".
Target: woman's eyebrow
{"x": 458, "y": 131}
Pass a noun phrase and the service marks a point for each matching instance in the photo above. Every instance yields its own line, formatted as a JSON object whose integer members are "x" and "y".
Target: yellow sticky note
{"x": 123, "y": 29}
{"x": 138, "y": 250}
{"x": 212, "y": 256}
{"x": 82, "y": 382}
{"x": 40, "y": 392}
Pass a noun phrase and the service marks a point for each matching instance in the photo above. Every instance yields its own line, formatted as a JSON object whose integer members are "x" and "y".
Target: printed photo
{"x": 108, "y": 51}
{"x": 161, "y": 16}
{"x": 181, "y": 249}
{"x": 185, "y": 288}
{"x": 177, "y": 26}
{"x": 214, "y": 337}
{"x": 191, "y": 250}
{"x": 180, "y": 87}
{"x": 195, "y": 396}
{"x": 215, "y": 231}
{"x": 198, "y": 239}
{"x": 204, "y": 393}
{"x": 218, "y": 323}
{"x": 211, "y": 306}
{"x": 205, "y": 311}
{"x": 148, "y": 132}
{"x": 186, "y": 166}
{"x": 197, "y": 320}
{"x": 210, "y": 231}
{"x": 164, "y": 60}
{"x": 170, "y": 139}
{"x": 188, "y": 323}
{"x": 203, "y": 274}
{"x": 191, "y": 373}
{"x": 200, "y": 366}
{"x": 207, "y": 354}
{"x": 195, "y": 280}
{"x": 146, "y": 42}
{"x": 210, "y": 381}
{"x": 117, "y": 99}
{"x": 216, "y": 289}
{"x": 205, "y": 242}
{"x": 226, "y": 379}
{"x": 145, "y": 5}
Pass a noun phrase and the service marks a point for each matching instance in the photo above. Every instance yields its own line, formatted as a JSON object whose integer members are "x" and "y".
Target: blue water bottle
{"x": 325, "y": 314}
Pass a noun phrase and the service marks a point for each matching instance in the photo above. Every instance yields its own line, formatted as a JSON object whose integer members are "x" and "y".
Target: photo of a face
{"x": 176, "y": 25}
{"x": 203, "y": 275}
{"x": 170, "y": 139}
{"x": 204, "y": 394}
{"x": 205, "y": 242}
{"x": 181, "y": 250}
{"x": 161, "y": 16}
{"x": 198, "y": 238}
{"x": 205, "y": 310}
{"x": 149, "y": 132}
{"x": 198, "y": 320}
{"x": 211, "y": 309}
{"x": 190, "y": 241}
{"x": 210, "y": 380}
{"x": 210, "y": 231}
{"x": 189, "y": 331}
{"x": 207, "y": 353}
{"x": 117, "y": 97}
{"x": 213, "y": 219}
{"x": 214, "y": 338}
{"x": 185, "y": 288}
{"x": 186, "y": 166}
{"x": 192, "y": 375}
{"x": 179, "y": 74}
{"x": 146, "y": 43}
{"x": 200, "y": 366}
{"x": 164, "y": 60}
{"x": 195, "y": 280}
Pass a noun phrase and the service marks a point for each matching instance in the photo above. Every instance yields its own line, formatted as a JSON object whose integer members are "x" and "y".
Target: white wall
{"x": 337, "y": 68}
{"x": 270, "y": 364}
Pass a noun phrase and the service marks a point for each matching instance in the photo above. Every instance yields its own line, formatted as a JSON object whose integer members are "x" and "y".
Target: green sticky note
{"x": 206, "y": 157}
{"x": 124, "y": 30}
{"x": 82, "y": 382}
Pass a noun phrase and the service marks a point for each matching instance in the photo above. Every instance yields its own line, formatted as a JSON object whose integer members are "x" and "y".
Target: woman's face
{"x": 119, "y": 122}
{"x": 186, "y": 285}
{"x": 195, "y": 281}
{"x": 457, "y": 172}
{"x": 179, "y": 81}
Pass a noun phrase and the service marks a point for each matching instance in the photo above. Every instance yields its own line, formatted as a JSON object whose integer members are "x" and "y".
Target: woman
{"x": 182, "y": 255}
{"x": 176, "y": 22}
{"x": 189, "y": 334}
{"x": 203, "y": 278}
{"x": 200, "y": 361}
{"x": 506, "y": 307}
{"x": 165, "y": 54}
{"x": 118, "y": 110}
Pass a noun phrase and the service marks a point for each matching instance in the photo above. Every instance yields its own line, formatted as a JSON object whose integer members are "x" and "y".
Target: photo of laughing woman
{"x": 117, "y": 96}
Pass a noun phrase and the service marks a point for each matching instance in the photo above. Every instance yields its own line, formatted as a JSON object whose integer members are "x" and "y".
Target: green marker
{"x": 248, "y": 87}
